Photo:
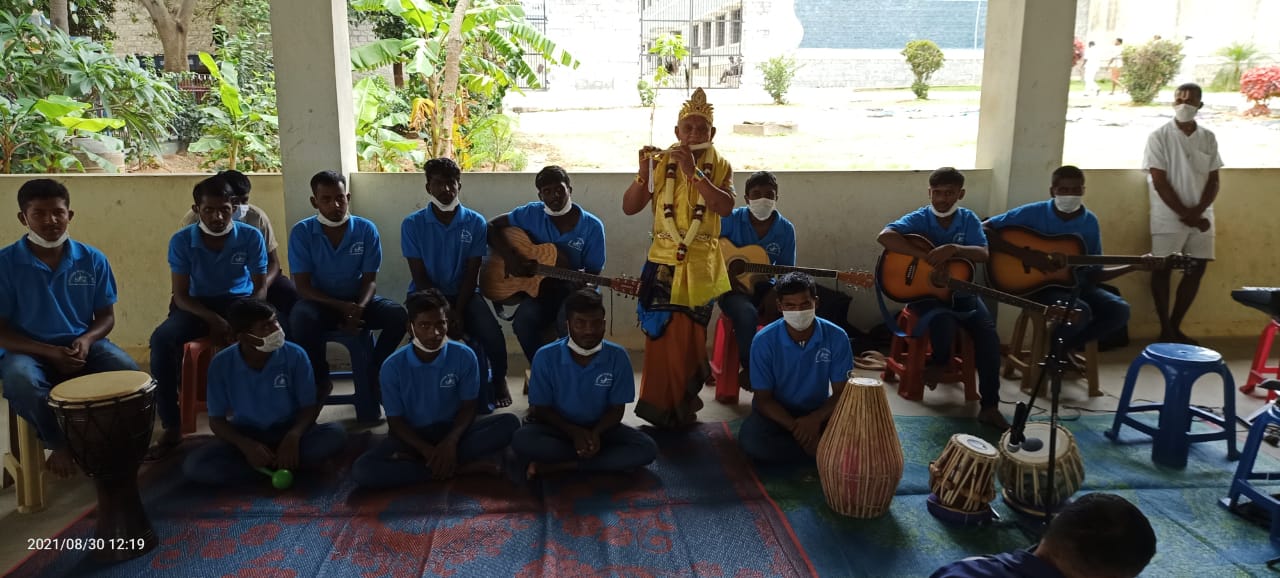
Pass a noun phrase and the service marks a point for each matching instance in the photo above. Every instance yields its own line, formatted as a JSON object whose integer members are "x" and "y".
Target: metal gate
{"x": 535, "y": 13}
{"x": 712, "y": 33}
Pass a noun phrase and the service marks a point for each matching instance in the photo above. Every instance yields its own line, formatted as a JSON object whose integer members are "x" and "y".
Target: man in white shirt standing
{"x": 1182, "y": 163}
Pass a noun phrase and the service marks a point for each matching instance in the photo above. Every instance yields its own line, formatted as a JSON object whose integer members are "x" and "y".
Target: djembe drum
{"x": 859, "y": 457}
{"x": 962, "y": 480}
{"x": 1024, "y": 475}
{"x": 107, "y": 419}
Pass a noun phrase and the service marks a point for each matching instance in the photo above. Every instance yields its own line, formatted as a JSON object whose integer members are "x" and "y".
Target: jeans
{"x": 311, "y": 320}
{"x": 1101, "y": 313}
{"x": 765, "y": 440}
{"x": 741, "y": 309}
{"x": 621, "y": 448}
{"x": 167, "y": 342}
{"x": 534, "y": 315}
{"x": 377, "y": 468}
{"x": 986, "y": 342}
{"x": 483, "y": 326}
{"x": 283, "y": 295}
{"x": 28, "y": 380}
{"x": 219, "y": 463}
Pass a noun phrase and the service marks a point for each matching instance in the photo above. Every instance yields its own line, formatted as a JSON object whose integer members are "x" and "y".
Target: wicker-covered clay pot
{"x": 859, "y": 457}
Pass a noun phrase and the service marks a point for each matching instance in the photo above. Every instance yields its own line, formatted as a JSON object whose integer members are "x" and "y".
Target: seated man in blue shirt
{"x": 1098, "y": 535}
{"x": 579, "y": 388}
{"x": 429, "y": 390}
{"x": 799, "y": 365}
{"x": 1101, "y": 312}
{"x": 57, "y": 305}
{"x": 334, "y": 257}
{"x": 759, "y": 223}
{"x": 956, "y": 233}
{"x": 444, "y": 244}
{"x": 577, "y": 234}
{"x": 262, "y": 405}
{"x": 214, "y": 262}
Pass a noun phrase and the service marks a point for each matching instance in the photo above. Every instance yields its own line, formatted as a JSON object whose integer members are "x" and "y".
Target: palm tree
{"x": 1240, "y": 56}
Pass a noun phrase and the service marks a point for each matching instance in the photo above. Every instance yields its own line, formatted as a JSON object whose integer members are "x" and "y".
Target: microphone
{"x": 1016, "y": 437}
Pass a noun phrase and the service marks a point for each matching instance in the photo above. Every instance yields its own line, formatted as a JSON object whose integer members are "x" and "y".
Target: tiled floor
{"x": 68, "y": 499}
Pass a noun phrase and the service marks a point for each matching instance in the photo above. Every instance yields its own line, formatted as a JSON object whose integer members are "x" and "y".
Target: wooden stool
{"x": 907, "y": 356}
{"x": 25, "y": 462}
{"x": 1027, "y": 361}
{"x": 527, "y": 375}
{"x": 196, "y": 356}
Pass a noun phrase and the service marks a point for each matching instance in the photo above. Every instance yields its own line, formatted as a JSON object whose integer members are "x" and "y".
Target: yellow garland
{"x": 667, "y": 202}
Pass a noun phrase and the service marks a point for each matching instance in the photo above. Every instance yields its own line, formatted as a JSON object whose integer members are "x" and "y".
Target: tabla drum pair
{"x": 1024, "y": 474}
{"x": 962, "y": 481}
{"x": 107, "y": 419}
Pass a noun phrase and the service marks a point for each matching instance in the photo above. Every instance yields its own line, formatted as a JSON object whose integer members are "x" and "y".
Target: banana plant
{"x": 40, "y": 135}
{"x": 380, "y": 147}
{"x": 242, "y": 132}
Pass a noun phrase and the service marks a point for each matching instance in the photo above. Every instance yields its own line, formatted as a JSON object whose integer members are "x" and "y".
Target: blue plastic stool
{"x": 1181, "y": 365}
{"x": 1240, "y": 484}
{"x": 360, "y": 346}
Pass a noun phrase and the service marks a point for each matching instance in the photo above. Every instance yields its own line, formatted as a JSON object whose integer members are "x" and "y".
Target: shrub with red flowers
{"x": 1077, "y": 52}
{"x": 1259, "y": 85}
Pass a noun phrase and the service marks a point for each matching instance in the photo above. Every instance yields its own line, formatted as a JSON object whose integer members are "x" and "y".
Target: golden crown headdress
{"x": 697, "y": 106}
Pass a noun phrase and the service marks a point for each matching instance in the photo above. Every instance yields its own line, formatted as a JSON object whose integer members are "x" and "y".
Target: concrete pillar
{"x": 313, "y": 95}
{"x": 1025, "y": 79}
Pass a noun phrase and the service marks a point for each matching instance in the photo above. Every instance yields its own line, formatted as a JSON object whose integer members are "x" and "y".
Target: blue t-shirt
{"x": 580, "y": 394}
{"x": 779, "y": 242}
{"x": 219, "y": 273}
{"x": 1042, "y": 218}
{"x": 261, "y": 399}
{"x": 800, "y": 377}
{"x": 1016, "y": 564}
{"x": 426, "y": 394}
{"x": 582, "y": 247}
{"x": 444, "y": 251}
{"x": 54, "y": 306}
{"x": 335, "y": 271}
{"x": 965, "y": 229}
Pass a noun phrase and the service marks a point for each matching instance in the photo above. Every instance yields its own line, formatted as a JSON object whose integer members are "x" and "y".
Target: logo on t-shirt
{"x": 239, "y": 258}
{"x": 577, "y": 244}
{"x": 604, "y": 380}
{"x": 281, "y": 381}
{"x": 357, "y": 248}
{"x": 823, "y": 355}
{"x": 81, "y": 278}
{"x": 773, "y": 249}
{"x": 450, "y": 380}
{"x": 465, "y": 236}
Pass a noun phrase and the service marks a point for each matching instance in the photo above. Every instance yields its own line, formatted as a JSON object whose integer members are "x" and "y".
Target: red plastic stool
{"x": 1260, "y": 370}
{"x": 196, "y": 356}
{"x": 725, "y": 361}
{"x": 907, "y": 355}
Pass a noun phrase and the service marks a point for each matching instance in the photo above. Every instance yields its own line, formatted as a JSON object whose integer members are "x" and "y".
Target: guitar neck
{"x": 784, "y": 269}
{"x": 1000, "y": 296}
{"x": 1106, "y": 260}
{"x": 569, "y": 275}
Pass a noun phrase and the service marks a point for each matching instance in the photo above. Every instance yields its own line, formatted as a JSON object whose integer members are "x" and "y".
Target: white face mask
{"x": 942, "y": 215}
{"x": 580, "y": 350}
{"x": 1184, "y": 113}
{"x": 239, "y": 212}
{"x": 799, "y": 320}
{"x": 39, "y": 241}
{"x": 446, "y": 208}
{"x": 418, "y": 344}
{"x": 271, "y": 342}
{"x": 761, "y": 208}
{"x": 326, "y": 222}
{"x": 222, "y": 233}
{"x": 1068, "y": 203}
{"x": 568, "y": 206}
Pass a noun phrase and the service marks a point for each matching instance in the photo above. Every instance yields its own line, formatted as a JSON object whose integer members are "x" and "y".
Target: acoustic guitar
{"x": 505, "y": 289}
{"x": 1015, "y": 251}
{"x": 751, "y": 265}
{"x": 907, "y": 279}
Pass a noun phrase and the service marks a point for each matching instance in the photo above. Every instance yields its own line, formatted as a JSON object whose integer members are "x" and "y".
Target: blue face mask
{"x": 239, "y": 212}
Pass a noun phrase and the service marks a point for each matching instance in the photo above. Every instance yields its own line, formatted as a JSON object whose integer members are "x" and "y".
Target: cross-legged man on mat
{"x": 262, "y": 405}
{"x": 214, "y": 262}
{"x": 429, "y": 392}
{"x": 799, "y": 365}
{"x": 1098, "y": 535}
{"x": 579, "y": 388}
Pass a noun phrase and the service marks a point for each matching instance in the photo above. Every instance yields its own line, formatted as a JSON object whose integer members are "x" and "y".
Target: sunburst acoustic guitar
{"x": 1015, "y": 251}
{"x": 750, "y": 265}
{"x": 501, "y": 288}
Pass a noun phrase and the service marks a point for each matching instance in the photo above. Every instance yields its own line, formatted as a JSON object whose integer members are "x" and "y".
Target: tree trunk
{"x": 60, "y": 15}
{"x": 452, "y": 65}
{"x": 172, "y": 30}
{"x": 397, "y": 74}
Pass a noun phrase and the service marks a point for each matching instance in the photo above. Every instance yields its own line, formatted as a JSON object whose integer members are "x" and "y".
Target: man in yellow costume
{"x": 691, "y": 187}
